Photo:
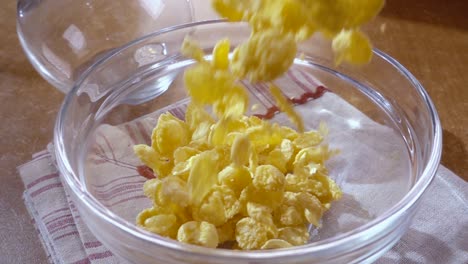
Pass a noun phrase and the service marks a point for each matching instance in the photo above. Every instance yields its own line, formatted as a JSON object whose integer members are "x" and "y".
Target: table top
{"x": 429, "y": 37}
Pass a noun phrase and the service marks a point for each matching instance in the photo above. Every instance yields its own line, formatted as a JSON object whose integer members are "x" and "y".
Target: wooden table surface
{"x": 429, "y": 37}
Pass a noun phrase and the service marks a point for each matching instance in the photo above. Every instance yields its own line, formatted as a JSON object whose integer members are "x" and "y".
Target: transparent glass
{"x": 378, "y": 115}
{"x": 62, "y": 38}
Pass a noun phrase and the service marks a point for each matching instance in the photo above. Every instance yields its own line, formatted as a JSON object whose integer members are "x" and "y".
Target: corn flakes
{"x": 235, "y": 177}
{"x": 259, "y": 185}
{"x": 158, "y": 222}
{"x": 269, "y": 51}
{"x": 198, "y": 233}
{"x": 218, "y": 207}
{"x": 295, "y": 235}
{"x": 203, "y": 176}
{"x": 276, "y": 243}
{"x": 252, "y": 234}
{"x": 169, "y": 134}
{"x": 174, "y": 190}
{"x": 160, "y": 165}
{"x": 225, "y": 177}
{"x": 226, "y": 232}
{"x": 284, "y": 23}
{"x": 287, "y": 107}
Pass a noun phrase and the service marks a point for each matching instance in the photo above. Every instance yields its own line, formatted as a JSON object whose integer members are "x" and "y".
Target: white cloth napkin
{"x": 438, "y": 234}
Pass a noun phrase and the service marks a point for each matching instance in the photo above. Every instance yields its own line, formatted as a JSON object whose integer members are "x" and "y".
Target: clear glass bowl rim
{"x": 340, "y": 241}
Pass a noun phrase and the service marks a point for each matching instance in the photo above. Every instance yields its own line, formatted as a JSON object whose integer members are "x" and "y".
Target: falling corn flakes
{"x": 233, "y": 178}
{"x": 225, "y": 177}
{"x": 280, "y": 25}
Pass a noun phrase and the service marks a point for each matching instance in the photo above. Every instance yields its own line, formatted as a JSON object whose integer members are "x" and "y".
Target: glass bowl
{"x": 61, "y": 38}
{"x": 378, "y": 115}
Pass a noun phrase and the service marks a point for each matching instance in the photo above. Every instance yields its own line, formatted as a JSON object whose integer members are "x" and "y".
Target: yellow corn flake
{"x": 225, "y": 131}
{"x": 196, "y": 115}
{"x": 268, "y": 177}
{"x": 205, "y": 84}
{"x": 174, "y": 190}
{"x": 252, "y": 234}
{"x": 182, "y": 154}
{"x": 277, "y": 159}
{"x": 198, "y": 233}
{"x": 253, "y": 160}
{"x": 295, "y": 182}
{"x": 303, "y": 183}
{"x": 327, "y": 190}
{"x": 275, "y": 244}
{"x": 235, "y": 177}
{"x": 285, "y": 16}
{"x": 281, "y": 156}
{"x": 224, "y": 158}
{"x": 191, "y": 49}
{"x": 272, "y": 199}
{"x": 262, "y": 214}
{"x": 211, "y": 210}
{"x": 169, "y": 134}
{"x": 160, "y": 165}
{"x": 263, "y": 135}
{"x": 309, "y": 160}
{"x": 299, "y": 206}
{"x": 200, "y": 145}
{"x": 296, "y": 235}
{"x": 238, "y": 124}
{"x": 221, "y": 54}
{"x": 219, "y": 133}
{"x": 287, "y": 149}
{"x": 145, "y": 214}
{"x": 270, "y": 60}
{"x": 226, "y": 232}
{"x": 288, "y": 133}
{"x": 233, "y": 104}
{"x": 258, "y": 212}
{"x": 254, "y": 121}
{"x": 230, "y": 201}
{"x": 182, "y": 169}
{"x": 218, "y": 207}
{"x": 308, "y": 139}
{"x": 240, "y": 150}
{"x": 152, "y": 188}
{"x": 164, "y": 225}
{"x": 214, "y": 84}
{"x": 313, "y": 209}
{"x": 161, "y": 224}
{"x": 234, "y": 10}
{"x": 203, "y": 176}
{"x": 202, "y": 132}
{"x": 287, "y": 107}
{"x": 289, "y": 215}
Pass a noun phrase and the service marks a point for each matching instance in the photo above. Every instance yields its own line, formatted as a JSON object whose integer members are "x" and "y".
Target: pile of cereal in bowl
{"x": 225, "y": 179}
